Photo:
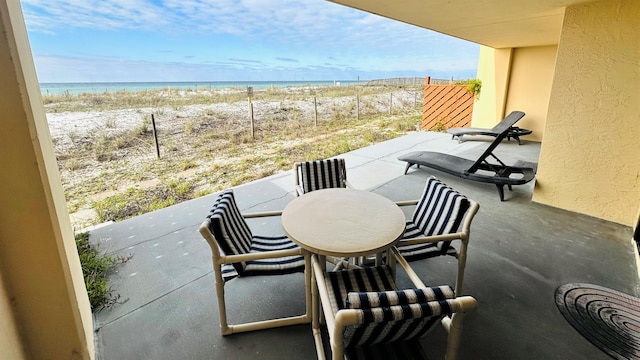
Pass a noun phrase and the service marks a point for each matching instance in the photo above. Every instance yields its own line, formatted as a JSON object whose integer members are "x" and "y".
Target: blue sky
{"x": 232, "y": 40}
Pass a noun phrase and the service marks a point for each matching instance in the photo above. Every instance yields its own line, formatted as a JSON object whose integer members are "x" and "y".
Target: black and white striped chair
{"x": 368, "y": 317}
{"x": 237, "y": 252}
{"x": 320, "y": 174}
{"x": 433, "y": 227}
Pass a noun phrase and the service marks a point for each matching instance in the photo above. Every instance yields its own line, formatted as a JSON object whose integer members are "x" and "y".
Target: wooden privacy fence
{"x": 446, "y": 106}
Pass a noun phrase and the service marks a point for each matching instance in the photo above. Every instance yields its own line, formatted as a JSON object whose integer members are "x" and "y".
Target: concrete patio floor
{"x": 519, "y": 253}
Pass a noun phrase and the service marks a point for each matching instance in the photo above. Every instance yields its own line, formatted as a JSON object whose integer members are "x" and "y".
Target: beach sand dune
{"x": 88, "y": 175}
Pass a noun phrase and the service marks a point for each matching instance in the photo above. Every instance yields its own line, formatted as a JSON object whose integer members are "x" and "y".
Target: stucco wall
{"x": 39, "y": 264}
{"x": 515, "y": 79}
{"x": 494, "y": 68}
{"x": 590, "y": 157}
{"x": 529, "y": 90}
{"x": 10, "y": 342}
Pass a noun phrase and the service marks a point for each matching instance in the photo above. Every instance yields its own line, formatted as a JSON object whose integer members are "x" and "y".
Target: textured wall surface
{"x": 10, "y": 342}
{"x": 515, "y": 79}
{"x": 590, "y": 157}
{"x": 494, "y": 67}
{"x": 530, "y": 87}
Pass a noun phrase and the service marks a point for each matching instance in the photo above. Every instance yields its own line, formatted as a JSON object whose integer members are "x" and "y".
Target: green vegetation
{"x": 139, "y": 201}
{"x": 95, "y": 268}
{"x": 474, "y": 86}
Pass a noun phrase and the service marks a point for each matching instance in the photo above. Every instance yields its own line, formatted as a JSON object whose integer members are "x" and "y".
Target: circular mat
{"x": 607, "y": 318}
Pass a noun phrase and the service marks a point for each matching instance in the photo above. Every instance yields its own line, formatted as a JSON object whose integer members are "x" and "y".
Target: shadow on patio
{"x": 519, "y": 253}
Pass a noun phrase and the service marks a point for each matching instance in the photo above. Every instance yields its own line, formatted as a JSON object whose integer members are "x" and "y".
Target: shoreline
{"x": 78, "y": 88}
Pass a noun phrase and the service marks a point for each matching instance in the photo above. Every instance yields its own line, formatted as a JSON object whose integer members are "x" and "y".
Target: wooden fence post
{"x": 253, "y": 129}
{"x": 249, "y": 95}
{"x": 358, "y": 106}
{"x": 390, "y": 102}
{"x": 315, "y": 110}
{"x": 155, "y": 135}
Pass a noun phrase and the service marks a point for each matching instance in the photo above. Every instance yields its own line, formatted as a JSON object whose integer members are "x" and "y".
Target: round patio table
{"x": 343, "y": 222}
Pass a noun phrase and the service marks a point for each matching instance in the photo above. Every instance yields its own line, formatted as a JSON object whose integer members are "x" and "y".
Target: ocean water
{"x": 101, "y": 87}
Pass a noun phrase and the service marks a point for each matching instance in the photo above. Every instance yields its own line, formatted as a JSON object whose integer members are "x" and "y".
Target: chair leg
{"x": 226, "y": 329}
{"x": 222, "y": 310}
{"x": 315, "y": 315}
{"x": 308, "y": 286}
{"x": 500, "y": 191}
{"x": 462, "y": 264}
{"x": 407, "y": 167}
{"x": 453, "y": 325}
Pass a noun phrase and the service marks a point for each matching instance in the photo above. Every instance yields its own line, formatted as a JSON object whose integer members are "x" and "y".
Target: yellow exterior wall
{"x": 494, "y": 68}
{"x": 39, "y": 265}
{"x": 590, "y": 157}
{"x": 10, "y": 342}
{"x": 515, "y": 79}
{"x": 530, "y": 87}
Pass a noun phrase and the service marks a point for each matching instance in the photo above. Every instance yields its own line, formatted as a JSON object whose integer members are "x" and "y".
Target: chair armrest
{"x": 262, "y": 214}
{"x": 228, "y": 259}
{"x": 464, "y": 306}
{"x": 433, "y": 239}
{"x": 407, "y": 202}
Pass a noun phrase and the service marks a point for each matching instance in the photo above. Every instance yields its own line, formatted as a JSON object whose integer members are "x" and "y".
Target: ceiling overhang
{"x": 494, "y": 23}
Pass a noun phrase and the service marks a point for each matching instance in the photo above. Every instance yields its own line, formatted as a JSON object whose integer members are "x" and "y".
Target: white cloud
{"x": 59, "y": 15}
{"x": 307, "y": 33}
{"x": 286, "y": 21}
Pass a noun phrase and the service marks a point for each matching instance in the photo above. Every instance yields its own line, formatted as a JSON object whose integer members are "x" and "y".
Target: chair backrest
{"x": 321, "y": 174}
{"x": 508, "y": 122}
{"x": 440, "y": 210}
{"x": 503, "y": 130}
{"x": 389, "y": 324}
{"x": 387, "y": 316}
{"x": 230, "y": 230}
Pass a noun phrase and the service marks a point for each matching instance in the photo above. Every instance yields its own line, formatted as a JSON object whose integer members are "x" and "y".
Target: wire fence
{"x": 125, "y": 153}
{"x": 108, "y": 135}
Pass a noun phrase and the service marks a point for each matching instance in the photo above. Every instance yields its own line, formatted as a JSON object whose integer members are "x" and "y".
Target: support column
{"x": 43, "y": 287}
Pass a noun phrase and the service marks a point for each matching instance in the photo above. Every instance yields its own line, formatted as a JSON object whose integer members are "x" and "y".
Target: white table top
{"x": 343, "y": 222}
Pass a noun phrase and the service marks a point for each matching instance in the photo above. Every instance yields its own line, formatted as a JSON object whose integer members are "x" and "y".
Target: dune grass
{"x": 114, "y": 171}
{"x": 96, "y": 267}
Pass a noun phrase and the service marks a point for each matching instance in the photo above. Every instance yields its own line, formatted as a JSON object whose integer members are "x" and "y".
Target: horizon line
{"x": 227, "y": 81}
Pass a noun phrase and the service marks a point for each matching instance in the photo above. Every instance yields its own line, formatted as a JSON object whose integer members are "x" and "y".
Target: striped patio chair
{"x": 367, "y": 317}
{"x": 237, "y": 252}
{"x": 320, "y": 174}
{"x": 433, "y": 227}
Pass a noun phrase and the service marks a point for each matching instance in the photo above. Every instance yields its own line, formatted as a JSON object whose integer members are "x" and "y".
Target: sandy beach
{"x": 106, "y": 152}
